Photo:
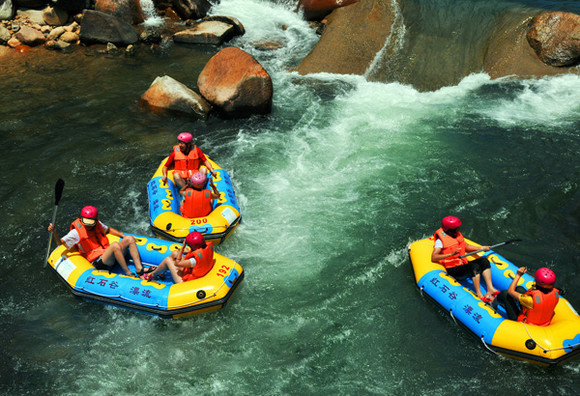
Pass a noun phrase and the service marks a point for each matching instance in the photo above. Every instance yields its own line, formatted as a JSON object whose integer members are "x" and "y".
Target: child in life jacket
{"x": 192, "y": 261}
{"x": 197, "y": 200}
{"x": 537, "y": 304}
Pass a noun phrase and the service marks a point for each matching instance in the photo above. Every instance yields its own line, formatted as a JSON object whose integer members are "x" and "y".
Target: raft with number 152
{"x": 161, "y": 297}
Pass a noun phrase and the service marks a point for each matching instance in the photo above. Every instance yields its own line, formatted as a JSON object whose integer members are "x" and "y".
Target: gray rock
{"x": 55, "y": 16}
{"x": 169, "y": 95}
{"x": 210, "y": 32}
{"x": 7, "y": 10}
{"x": 98, "y": 27}
{"x": 35, "y": 16}
{"x": 4, "y": 35}
{"x": 29, "y": 36}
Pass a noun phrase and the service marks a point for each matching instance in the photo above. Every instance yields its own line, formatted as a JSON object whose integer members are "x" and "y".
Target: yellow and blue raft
{"x": 549, "y": 345}
{"x": 161, "y": 297}
{"x": 167, "y": 221}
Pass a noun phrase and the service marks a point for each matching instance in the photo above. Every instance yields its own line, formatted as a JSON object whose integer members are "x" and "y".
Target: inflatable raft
{"x": 161, "y": 297}
{"x": 166, "y": 218}
{"x": 550, "y": 345}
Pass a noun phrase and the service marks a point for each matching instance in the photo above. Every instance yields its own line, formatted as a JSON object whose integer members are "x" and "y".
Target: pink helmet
{"x": 89, "y": 212}
{"x": 89, "y": 215}
{"x": 198, "y": 179}
{"x": 185, "y": 137}
{"x": 545, "y": 277}
{"x": 195, "y": 240}
{"x": 450, "y": 222}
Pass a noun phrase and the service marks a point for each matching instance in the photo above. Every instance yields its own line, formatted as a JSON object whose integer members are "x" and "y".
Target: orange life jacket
{"x": 188, "y": 164}
{"x": 544, "y": 304}
{"x": 450, "y": 244}
{"x": 196, "y": 203}
{"x": 92, "y": 242}
{"x": 204, "y": 263}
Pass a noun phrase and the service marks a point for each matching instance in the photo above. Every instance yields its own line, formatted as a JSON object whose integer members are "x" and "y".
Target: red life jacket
{"x": 188, "y": 164}
{"x": 196, "y": 203}
{"x": 450, "y": 244}
{"x": 544, "y": 304}
{"x": 92, "y": 242}
{"x": 204, "y": 263}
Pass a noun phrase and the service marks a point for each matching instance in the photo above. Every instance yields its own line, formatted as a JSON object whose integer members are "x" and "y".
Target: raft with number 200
{"x": 544, "y": 345}
{"x": 166, "y": 218}
{"x": 163, "y": 297}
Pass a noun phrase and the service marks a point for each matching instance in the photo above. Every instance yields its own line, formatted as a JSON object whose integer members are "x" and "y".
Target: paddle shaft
{"x": 59, "y": 186}
{"x": 491, "y": 247}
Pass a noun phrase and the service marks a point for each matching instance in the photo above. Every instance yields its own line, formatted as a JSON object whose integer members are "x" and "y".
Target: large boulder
{"x": 29, "y": 36}
{"x": 555, "y": 36}
{"x": 169, "y": 95}
{"x": 209, "y": 32}
{"x": 98, "y": 27}
{"x": 236, "y": 84}
{"x": 127, "y": 10}
{"x": 508, "y": 51}
{"x": 353, "y": 36}
{"x": 7, "y": 9}
{"x": 315, "y": 10}
{"x": 191, "y": 9}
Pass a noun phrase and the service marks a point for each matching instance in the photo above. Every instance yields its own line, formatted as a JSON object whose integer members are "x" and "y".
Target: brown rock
{"x": 29, "y": 36}
{"x": 318, "y": 9}
{"x": 69, "y": 37}
{"x": 127, "y": 10}
{"x": 509, "y": 53}
{"x": 353, "y": 36}
{"x": 169, "y": 95}
{"x": 555, "y": 36}
{"x": 234, "y": 82}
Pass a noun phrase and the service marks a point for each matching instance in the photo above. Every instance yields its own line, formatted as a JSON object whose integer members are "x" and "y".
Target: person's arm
{"x": 115, "y": 232}
{"x": 52, "y": 229}
{"x": 437, "y": 256}
{"x": 168, "y": 164}
{"x": 512, "y": 289}
{"x": 470, "y": 248}
{"x": 215, "y": 194}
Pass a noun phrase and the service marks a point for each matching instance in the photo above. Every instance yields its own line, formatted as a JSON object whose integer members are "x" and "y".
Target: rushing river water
{"x": 333, "y": 186}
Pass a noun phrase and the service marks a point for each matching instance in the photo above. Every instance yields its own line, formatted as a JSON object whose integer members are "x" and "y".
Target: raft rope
{"x": 452, "y": 317}
{"x": 487, "y": 346}
{"x": 544, "y": 349}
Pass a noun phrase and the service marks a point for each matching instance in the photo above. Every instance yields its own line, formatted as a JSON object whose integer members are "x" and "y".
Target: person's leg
{"x": 174, "y": 272}
{"x": 482, "y": 266}
{"x": 129, "y": 243}
{"x": 509, "y": 303}
{"x": 115, "y": 253}
{"x": 477, "y": 285}
{"x": 179, "y": 182}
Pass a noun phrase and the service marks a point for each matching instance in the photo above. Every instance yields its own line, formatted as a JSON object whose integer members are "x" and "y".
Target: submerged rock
{"x": 555, "y": 36}
{"x": 235, "y": 83}
{"x": 191, "y": 9}
{"x": 169, "y": 95}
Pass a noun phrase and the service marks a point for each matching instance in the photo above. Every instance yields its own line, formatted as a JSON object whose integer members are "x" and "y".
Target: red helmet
{"x": 89, "y": 215}
{"x": 545, "y": 277}
{"x": 185, "y": 137}
{"x": 195, "y": 240}
{"x": 450, "y": 222}
{"x": 198, "y": 179}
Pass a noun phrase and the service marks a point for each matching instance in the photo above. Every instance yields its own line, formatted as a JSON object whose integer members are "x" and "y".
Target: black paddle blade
{"x": 58, "y": 187}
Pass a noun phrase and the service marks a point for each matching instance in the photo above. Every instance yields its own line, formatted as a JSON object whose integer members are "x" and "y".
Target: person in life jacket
{"x": 185, "y": 159}
{"x": 450, "y": 245}
{"x": 537, "y": 304}
{"x": 197, "y": 200}
{"x": 194, "y": 260}
{"x": 89, "y": 235}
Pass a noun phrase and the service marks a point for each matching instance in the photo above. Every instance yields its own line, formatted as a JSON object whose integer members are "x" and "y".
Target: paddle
{"x": 58, "y": 187}
{"x": 491, "y": 247}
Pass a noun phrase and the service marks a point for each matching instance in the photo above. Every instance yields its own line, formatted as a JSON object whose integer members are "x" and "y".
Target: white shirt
{"x": 438, "y": 244}
{"x": 73, "y": 237}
